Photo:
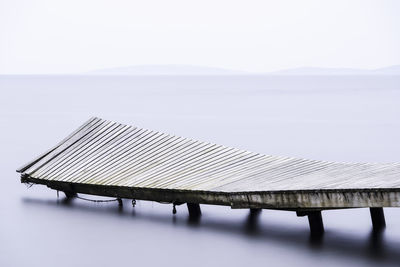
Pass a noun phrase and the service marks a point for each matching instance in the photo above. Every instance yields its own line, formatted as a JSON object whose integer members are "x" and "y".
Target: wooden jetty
{"x": 106, "y": 158}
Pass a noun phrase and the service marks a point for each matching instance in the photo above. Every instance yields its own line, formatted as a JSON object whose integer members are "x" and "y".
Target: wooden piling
{"x": 120, "y": 203}
{"x": 378, "y": 218}
{"x": 314, "y": 220}
{"x": 194, "y": 210}
{"x": 70, "y": 194}
{"x": 316, "y": 223}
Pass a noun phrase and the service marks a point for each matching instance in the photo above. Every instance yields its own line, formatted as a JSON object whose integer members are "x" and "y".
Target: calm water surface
{"x": 326, "y": 118}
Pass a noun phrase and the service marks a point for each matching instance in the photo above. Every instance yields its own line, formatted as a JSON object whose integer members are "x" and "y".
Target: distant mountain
{"x": 199, "y": 70}
{"x": 392, "y": 70}
{"x": 166, "y": 70}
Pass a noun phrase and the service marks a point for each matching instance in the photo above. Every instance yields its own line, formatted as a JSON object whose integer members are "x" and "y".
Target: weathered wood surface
{"x": 112, "y": 159}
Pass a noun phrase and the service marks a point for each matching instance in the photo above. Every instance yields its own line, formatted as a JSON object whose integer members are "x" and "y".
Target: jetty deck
{"x": 111, "y": 159}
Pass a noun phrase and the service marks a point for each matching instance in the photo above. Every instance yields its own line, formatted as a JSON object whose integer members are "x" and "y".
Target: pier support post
{"x": 316, "y": 223}
{"x": 252, "y": 220}
{"x": 314, "y": 220}
{"x": 378, "y": 218}
{"x": 120, "y": 203}
{"x": 254, "y": 212}
{"x": 194, "y": 210}
{"x": 70, "y": 194}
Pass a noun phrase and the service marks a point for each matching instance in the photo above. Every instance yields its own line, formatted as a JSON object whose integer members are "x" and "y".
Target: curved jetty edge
{"x": 106, "y": 158}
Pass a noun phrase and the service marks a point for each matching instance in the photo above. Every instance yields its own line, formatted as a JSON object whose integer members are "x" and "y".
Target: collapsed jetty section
{"x": 106, "y": 158}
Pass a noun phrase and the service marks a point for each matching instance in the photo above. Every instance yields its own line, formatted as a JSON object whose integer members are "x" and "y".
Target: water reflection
{"x": 251, "y": 225}
{"x": 375, "y": 247}
{"x": 377, "y": 244}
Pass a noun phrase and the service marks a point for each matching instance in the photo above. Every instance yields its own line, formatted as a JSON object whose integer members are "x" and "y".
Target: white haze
{"x": 73, "y": 36}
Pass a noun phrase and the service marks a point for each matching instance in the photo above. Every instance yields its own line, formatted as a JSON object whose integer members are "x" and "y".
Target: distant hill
{"x": 199, "y": 70}
{"x": 167, "y": 70}
{"x": 392, "y": 70}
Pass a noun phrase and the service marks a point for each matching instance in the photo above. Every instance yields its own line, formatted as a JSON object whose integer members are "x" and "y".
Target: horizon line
{"x": 278, "y": 72}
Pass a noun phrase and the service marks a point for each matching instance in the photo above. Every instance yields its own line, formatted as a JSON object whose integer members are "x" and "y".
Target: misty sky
{"x": 47, "y": 36}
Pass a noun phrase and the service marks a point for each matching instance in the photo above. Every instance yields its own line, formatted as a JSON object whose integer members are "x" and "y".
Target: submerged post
{"x": 194, "y": 210}
{"x": 254, "y": 212}
{"x": 120, "y": 203}
{"x": 378, "y": 218}
{"x": 314, "y": 220}
{"x": 252, "y": 220}
{"x": 316, "y": 223}
{"x": 70, "y": 194}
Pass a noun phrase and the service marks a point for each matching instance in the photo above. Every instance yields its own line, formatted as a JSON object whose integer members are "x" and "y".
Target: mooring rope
{"x": 28, "y": 184}
{"x": 92, "y": 200}
{"x": 164, "y": 202}
{"x": 97, "y": 200}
